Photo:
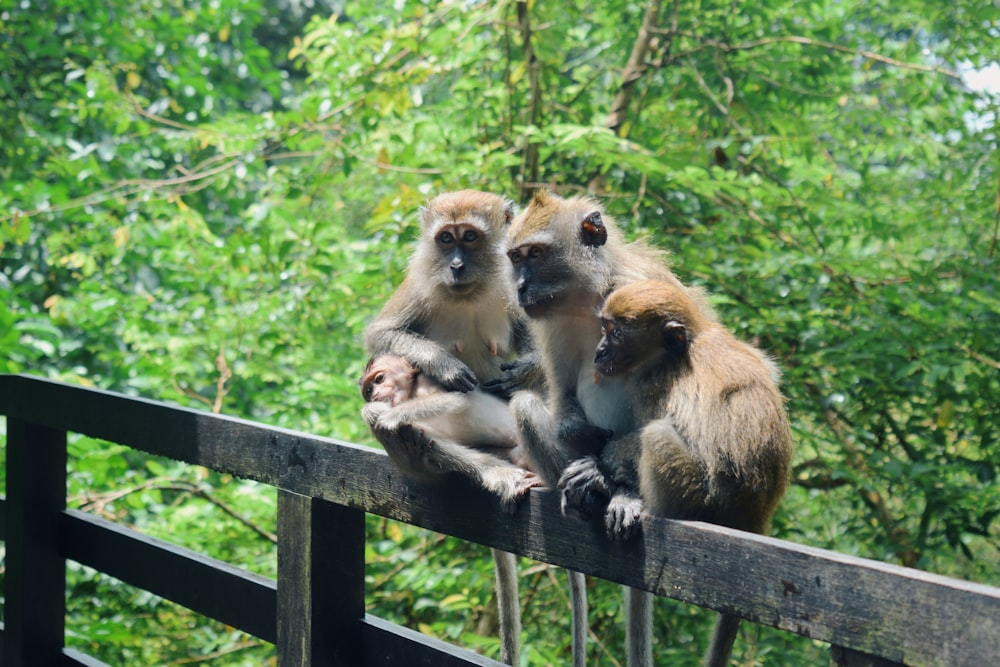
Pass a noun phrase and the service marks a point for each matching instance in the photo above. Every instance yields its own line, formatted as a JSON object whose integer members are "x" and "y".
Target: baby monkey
{"x": 433, "y": 432}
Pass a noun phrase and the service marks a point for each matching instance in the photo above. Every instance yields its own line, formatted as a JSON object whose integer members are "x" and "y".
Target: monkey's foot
{"x": 410, "y": 449}
{"x": 622, "y": 518}
{"x": 584, "y": 488}
{"x": 514, "y": 486}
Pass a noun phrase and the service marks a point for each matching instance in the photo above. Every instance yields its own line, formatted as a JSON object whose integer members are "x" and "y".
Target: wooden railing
{"x": 870, "y": 612}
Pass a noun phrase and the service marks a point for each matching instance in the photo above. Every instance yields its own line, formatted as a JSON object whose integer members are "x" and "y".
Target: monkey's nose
{"x": 457, "y": 265}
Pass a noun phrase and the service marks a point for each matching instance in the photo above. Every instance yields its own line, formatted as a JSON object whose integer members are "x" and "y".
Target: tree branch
{"x": 529, "y": 165}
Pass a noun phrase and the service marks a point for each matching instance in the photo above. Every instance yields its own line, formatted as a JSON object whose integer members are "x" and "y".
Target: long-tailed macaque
{"x": 567, "y": 256}
{"x": 451, "y": 319}
{"x": 710, "y": 436}
{"x": 471, "y": 433}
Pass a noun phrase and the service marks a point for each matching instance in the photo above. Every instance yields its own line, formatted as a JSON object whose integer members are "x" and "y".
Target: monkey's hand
{"x": 622, "y": 518}
{"x": 373, "y": 411}
{"x": 584, "y": 488}
{"x": 523, "y": 373}
{"x": 451, "y": 373}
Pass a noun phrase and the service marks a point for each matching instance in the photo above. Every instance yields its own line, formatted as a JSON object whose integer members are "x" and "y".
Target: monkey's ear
{"x": 593, "y": 233}
{"x": 508, "y": 215}
{"x": 675, "y": 338}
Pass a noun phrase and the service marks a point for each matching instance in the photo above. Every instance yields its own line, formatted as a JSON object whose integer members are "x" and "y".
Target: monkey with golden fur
{"x": 710, "y": 439}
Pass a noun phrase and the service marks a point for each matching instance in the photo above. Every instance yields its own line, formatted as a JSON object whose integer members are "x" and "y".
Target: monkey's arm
{"x": 386, "y": 334}
{"x": 422, "y": 409}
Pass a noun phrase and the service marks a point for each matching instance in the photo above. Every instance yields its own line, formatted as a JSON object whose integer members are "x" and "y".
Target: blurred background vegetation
{"x": 205, "y": 201}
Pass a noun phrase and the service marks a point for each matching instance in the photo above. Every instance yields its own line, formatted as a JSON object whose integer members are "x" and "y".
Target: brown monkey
{"x": 568, "y": 255}
{"x": 450, "y": 318}
{"x": 709, "y": 431}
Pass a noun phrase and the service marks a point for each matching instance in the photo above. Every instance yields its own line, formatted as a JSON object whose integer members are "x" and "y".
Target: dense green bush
{"x": 204, "y": 202}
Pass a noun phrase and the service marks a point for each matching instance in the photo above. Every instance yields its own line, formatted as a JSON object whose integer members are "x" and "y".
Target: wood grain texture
{"x": 895, "y": 613}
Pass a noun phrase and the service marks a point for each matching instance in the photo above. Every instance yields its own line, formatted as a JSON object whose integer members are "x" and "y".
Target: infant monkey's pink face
{"x": 389, "y": 379}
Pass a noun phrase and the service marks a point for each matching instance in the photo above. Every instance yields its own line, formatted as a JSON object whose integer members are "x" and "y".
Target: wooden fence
{"x": 870, "y": 612}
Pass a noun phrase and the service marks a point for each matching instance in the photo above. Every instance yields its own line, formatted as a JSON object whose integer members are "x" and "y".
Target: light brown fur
{"x": 714, "y": 443}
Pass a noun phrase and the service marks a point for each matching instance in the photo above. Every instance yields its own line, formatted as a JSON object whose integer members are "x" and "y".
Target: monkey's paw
{"x": 519, "y": 483}
{"x": 452, "y": 374}
{"x": 622, "y": 518}
{"x": 515, "y": 375}
{"x": 584, "y": 488}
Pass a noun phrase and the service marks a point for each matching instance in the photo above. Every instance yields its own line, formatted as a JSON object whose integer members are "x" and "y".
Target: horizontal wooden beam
{"x": 900, "y": 614}
{"x": 216, "y": 589}
{"x": 386, "y": 643}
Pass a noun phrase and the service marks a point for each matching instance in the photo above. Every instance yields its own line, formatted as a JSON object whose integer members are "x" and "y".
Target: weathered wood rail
{"x": 870, "y": 612}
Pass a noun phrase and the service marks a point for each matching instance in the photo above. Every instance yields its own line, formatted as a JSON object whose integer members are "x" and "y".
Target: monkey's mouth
{"x": 462, "y": 288}
{"x": 605, "y": 367}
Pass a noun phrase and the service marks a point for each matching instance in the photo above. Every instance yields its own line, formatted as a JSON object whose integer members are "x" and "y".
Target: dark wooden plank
{"x": 210, "y": 587}
{"x": 35, "y": 581}
{"x": 389, "y": 644}
{"x": 845, "y": 657}
{"x": 894, "y": 613}
{"x": 321, "y": 582}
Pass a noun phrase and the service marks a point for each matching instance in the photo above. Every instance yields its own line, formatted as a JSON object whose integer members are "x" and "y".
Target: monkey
{"x": 437, "y": 426}
{"x": 471, "y": 433}
{"x": 567, "y": 255}
{"x": 709, "y": 438}
{"x": 451, "y": 318}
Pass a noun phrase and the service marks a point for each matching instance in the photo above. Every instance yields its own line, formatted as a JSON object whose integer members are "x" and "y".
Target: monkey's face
{"x": 614, "y": 356}
{"x": 388, "y": 379}
{"x": 553, "y": 248}
{"x": 461, "y": 247}
{"x": 631, "y": 345}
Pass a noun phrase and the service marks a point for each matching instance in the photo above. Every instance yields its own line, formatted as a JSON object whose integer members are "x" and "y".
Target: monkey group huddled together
{"x": 541, "y": 348}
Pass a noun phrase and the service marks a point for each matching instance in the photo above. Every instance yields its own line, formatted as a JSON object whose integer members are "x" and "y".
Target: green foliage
{"x": 204, "y": 202}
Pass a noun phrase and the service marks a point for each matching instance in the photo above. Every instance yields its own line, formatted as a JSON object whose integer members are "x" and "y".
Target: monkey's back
{"x": 732, "y": 417}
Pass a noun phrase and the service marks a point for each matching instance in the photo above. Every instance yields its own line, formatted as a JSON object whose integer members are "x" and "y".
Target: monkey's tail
{"x": 639, "y": 628}
{"x": 505, "y": 569}
{"x": 578, "y": 616}
{"x": 722, "y": 640}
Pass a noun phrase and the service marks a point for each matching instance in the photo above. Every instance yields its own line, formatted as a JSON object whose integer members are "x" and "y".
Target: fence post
{"x": 35, "y": 604}
{"x": 321, "y": 582}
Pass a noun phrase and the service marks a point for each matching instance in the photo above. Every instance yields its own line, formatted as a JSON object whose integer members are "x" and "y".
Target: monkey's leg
{"x": 721, "y": 646}
{"x": 509, "y": 606}
{"x": 539, "y": 436}
{"x": 638, "y": 627}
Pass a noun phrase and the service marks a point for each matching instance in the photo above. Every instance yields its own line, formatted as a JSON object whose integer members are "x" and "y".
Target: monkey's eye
{"x": 617, "y": 335}
{"x": 446, "y": 238}
{"x": 535, "y": 252}
{"x": 470, "y": 236}
{"x": 379, "y": 378}
{"x": 366, "y": 392}
{"x": 515, "y": 256}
